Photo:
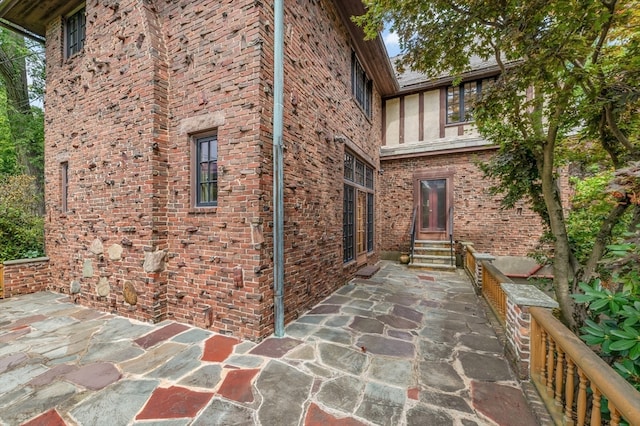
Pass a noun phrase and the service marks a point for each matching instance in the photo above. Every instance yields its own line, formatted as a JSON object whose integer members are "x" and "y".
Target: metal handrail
{"x": 412, "y": 233}
{"x": 451, "y": 233}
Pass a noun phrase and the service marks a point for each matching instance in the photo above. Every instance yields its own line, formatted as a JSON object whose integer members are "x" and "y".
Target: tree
{"x": 565, "y": 65}
{"x": 25, "y": 151}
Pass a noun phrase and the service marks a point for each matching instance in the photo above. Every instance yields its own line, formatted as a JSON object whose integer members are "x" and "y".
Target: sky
{"x": 391, "y": 41}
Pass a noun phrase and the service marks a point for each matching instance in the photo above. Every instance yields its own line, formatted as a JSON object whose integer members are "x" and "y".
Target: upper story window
{"x": 461, "y": 101}
{"x": 206, "y": 171}
{"x": 75, "y": 30}
{"x": 361, "y": 85}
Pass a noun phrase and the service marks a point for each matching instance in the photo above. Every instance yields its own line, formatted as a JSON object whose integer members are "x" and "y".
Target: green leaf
{"x": 634, "y": 353}
{"x": 599, "y": 304}
{"x": 622, "y": 345}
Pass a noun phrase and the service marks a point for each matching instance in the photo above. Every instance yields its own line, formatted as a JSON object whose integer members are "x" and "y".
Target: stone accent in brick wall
{"x": 25, "y": 276}
{"x": 122, "y": 114}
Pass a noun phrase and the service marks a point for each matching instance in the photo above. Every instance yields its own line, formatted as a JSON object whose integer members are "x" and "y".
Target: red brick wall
{"x": 477, "y": 215}
{"x": 321, "y": 119}
{"x": 122, "y": 115}
{"x": 25, "y": 276}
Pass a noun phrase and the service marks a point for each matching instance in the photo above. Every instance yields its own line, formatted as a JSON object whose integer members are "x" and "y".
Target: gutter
{"x": 278, "y": 174}
{"x": 20, "y": 30}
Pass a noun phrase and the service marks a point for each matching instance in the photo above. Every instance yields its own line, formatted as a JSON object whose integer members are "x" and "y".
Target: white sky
{"x": 391, "y": 41}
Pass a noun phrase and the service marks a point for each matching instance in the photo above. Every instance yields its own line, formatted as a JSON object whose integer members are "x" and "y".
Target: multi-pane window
{"x": 206, "y": 171}
{"x": 358, "y": 207}
{"x": 75, "y": 30}
{"x": 461, "y": 100}
{"x": 64, "y": 187}
{"x": 361, "y": 85}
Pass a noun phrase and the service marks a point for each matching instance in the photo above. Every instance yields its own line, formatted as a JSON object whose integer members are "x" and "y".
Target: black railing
{"x": 412, "y": 233}
{"x": 451, "y": 234}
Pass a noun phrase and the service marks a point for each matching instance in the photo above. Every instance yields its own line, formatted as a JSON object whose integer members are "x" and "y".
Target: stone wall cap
{"x": 484, "y": 256}
{"x": 20, "y": 261}
{"x": 528, "y": 295}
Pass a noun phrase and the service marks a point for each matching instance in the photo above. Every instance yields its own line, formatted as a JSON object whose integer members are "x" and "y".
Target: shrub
{"x": 21, "y": 228}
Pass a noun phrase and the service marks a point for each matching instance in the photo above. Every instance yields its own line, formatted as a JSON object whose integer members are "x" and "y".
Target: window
{"x": 461, "y": 100}
{"x": 361, "y": 85}
{"x": 75, "y": 29}
{"x": 357, "y": 212}
{"x": 64, "y": 187}
{"x": 206, "y": 171}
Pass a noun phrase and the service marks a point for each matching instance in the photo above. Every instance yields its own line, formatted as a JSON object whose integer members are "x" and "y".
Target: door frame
{"x": 431, "y": 174}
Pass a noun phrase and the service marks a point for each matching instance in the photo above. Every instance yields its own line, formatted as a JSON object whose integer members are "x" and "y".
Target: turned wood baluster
{"x": 542, "y": 350}
{"x": 568, "y": 390}
{"x": 582, "y": 398}
{"x": 559, "y": 376}
{"x": 550, "y": 364}
{"x": 615, "y": 415}
{"x": 595, "y": 408}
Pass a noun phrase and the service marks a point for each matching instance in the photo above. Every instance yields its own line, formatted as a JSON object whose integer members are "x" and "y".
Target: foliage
{"x": 569, "y": 80}
{"x": 613, "y": 327}
{"x": 590, "y": 206}
{"x": 21, "y": 228}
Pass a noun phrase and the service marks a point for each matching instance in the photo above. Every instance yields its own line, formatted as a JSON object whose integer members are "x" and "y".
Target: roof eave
{"x": 372, "y": 53}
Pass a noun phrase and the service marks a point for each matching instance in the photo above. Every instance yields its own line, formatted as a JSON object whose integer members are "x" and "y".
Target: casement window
{"x": 64, "y": 187}
{"x": 205, "y": 167}
{"x": 357, "y": 212}
{"x": 361, "y": 85}
{"x": 75, "y": 30}
{"x": 461, "y": 100}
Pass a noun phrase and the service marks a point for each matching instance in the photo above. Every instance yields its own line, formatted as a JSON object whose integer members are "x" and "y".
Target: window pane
{"x": 75, "y": 32}
{"x": 348, "y": 220}
{"x": 453, "y": 104}
{"x": 207, "y": 175}
{"x": 471, "y": 92}
{"x": 369, "y": 222}
{"x": 369, "y": 178}
{"x": 348, "y": 166}
{"x": 359, "y": 172}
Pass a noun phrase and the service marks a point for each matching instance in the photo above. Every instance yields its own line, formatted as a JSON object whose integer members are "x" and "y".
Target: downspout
{"x": 278, "y": 175}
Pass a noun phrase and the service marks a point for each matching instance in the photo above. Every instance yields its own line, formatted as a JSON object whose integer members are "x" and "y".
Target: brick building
{"x": 430, "y": 155}
{"x": 159, "y": 157}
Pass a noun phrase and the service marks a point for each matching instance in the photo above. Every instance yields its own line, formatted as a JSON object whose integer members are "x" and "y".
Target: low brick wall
{"x": 25, "y": 276}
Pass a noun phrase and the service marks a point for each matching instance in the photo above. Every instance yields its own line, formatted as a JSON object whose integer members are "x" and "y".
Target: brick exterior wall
{"x": 122, "y": 115}
{"x": 477, "y": 215}
{"x": 518, "y": 331}
{"x": 24, "y": 276}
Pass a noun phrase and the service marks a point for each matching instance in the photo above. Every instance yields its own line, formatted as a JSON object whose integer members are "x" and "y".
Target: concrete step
{"x": 432, "y": 258}
{"x": 432, "y": 266}
{"x": 432, "y": 251}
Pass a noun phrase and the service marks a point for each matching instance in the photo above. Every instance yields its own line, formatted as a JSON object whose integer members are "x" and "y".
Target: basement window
{"x": 75, "y": 31}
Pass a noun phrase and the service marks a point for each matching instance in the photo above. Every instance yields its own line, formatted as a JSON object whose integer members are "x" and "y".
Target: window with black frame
{"x": 361, "y": 85}
{"x": 206, "y": 171}
{"x": 75, "y": 32}
{"x": 461, "y": 100}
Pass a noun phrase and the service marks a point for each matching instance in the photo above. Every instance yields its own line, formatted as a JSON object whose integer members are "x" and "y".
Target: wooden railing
{"x": 492, "y": 291}
{"x": 470, "y": 262}
{"x": 1, "y": 281}
{"x": 573, "y": 380}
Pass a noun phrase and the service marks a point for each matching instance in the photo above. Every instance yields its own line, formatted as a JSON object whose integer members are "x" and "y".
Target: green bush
{"x": 21, "y": 228}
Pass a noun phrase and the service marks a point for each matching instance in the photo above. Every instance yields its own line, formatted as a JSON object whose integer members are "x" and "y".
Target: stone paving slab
{"x": 403, "y": 347}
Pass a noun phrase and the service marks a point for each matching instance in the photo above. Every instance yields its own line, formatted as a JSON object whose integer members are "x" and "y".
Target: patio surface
{"x": 404, "y": 347}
